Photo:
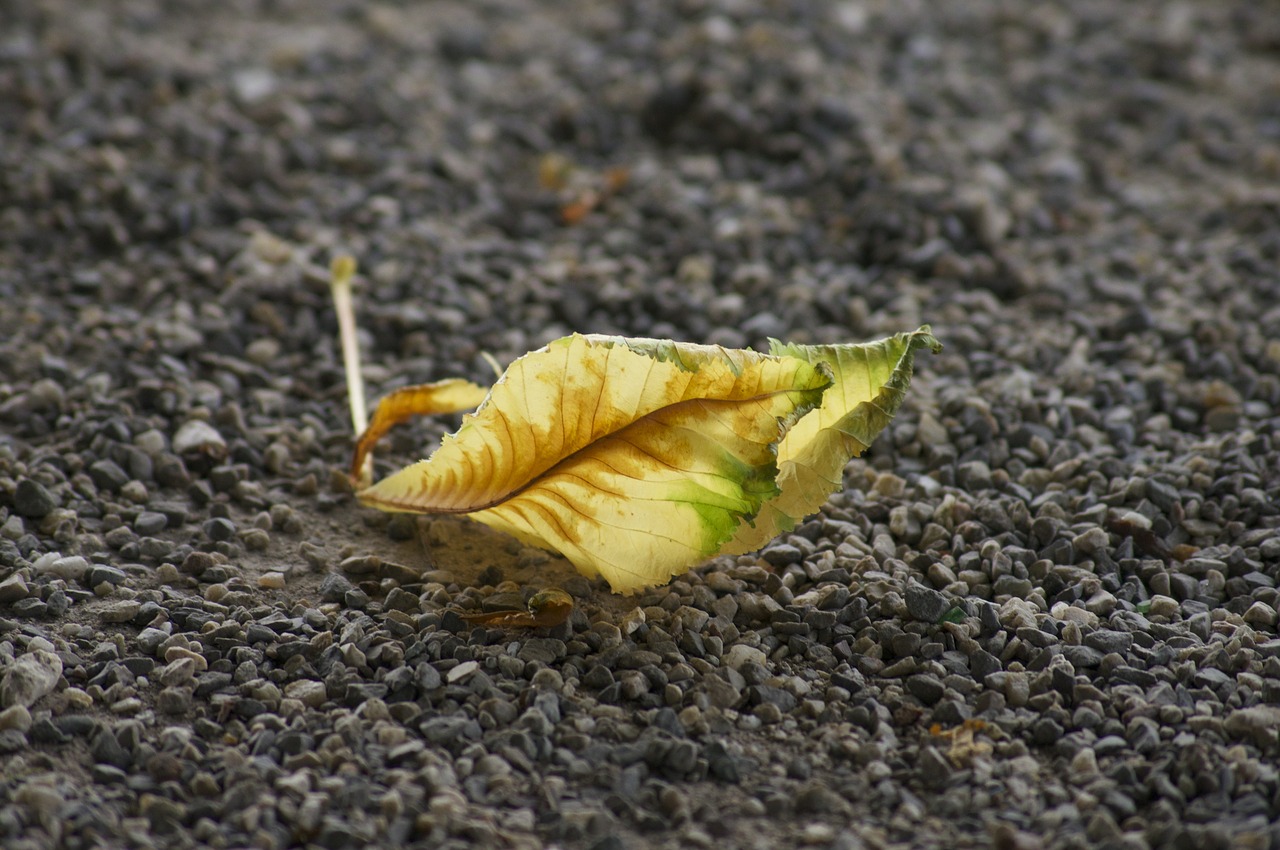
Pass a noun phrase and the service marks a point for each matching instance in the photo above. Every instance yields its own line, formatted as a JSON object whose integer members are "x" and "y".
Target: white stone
{"x": 1017, "y": 613}
{"x": 462, "y": 671}
{"x": 310, "y": 693}
{"x": 1260, "y": 614}
{"x": 77, "y": 698}
{"x": 1072, "y": 614}
{"x": 29, "y": 678}
{"x": 175, "y": 652}
{"x": 70, "y": 568}
{"x": 13, "y": 588}
{"x": 179, "y": 671}
{"x": 196, "y": 435}
{"x": 739, "y": 654}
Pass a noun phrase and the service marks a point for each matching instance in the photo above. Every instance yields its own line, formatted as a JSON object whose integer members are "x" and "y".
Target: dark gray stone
{"x": 107, "y": 475}
{"x": 150, "y": 523}
{"x": 219, "y": 528}
{"x": 926, "y": 687}
{"x": 32, "y": 499}
{"x": 926, "y": 604}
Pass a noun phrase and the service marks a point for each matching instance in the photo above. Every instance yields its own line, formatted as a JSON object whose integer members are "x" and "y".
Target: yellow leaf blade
{"x": 660, "y": 495}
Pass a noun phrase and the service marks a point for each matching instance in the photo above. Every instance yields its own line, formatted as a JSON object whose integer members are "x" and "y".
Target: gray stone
{"x": 781, "y": 555}
{"x": 108, "y": 475}
{"x": 760, "y": 694}
{"x": 196, "y": 563}
{"x": 219, "y": 529}
{"x": 983, "y": 664}
{"x": 333, "y": 587}
{"x": 1082, "y": 656}
{"x": 33, "y": 500}
{"x": 1011, "y": 585}
{"x": 1163, "y": 496}
{"x": 13, "y": 588}
{"x": 150, "y": 522}
{"x": 106, "y": 749}
{"x": 101, "y": 574}
{"x": 1046, "y": 732}
{"x": 815, "y": 798}
{"x": 1109, "y": 640}
{"x": 974, "y": 475}
{"x": 926, "y": 604}
{"x": 926, "y": 687}
{"x": 1143, "y": 735}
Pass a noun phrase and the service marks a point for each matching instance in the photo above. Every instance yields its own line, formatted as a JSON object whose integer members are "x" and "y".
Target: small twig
{"x": 342, "y": 270}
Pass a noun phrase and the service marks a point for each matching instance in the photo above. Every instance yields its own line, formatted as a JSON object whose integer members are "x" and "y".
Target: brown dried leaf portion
{"x": 581, "y": 191}
{"x": 450, "y": 396}
{"x": 547, "y": 609}
{"x": 964, "y": 746}
{"x": 614, "y": 180}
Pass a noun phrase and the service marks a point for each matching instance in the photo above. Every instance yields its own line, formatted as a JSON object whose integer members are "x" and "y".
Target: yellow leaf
{"x": 634, "y": 458}
{"x": 637, "y": 459}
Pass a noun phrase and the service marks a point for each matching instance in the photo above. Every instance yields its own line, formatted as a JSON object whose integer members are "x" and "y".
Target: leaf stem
{"x": 341, "y": 272}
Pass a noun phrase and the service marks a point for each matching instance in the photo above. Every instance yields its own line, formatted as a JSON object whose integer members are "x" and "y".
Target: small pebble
{"x": 32, "y": 499}
{"x": 271, "y": 581}
{"x": 198, "y": 437}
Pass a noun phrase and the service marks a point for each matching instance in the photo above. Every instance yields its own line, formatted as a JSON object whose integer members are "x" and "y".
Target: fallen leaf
{"x": 614, "y": 180}
{"x": 964, "y": 746}
{"x": 581, "y": 191}
{"x": 547, "y": 609}
{"x": 638, "y": 458}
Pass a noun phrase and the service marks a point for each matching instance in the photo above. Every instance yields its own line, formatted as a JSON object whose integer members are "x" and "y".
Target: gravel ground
{"x": 1043, "y": 612}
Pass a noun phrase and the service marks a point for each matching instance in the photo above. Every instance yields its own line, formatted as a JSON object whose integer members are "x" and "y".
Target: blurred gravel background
{"x": 1042, "y": 614}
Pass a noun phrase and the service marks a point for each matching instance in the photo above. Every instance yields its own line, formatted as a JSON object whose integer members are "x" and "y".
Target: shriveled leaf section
{"x": 634, "y": 458}
{"x": 453, "y": 395}
{"x": 871, "y": 380}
